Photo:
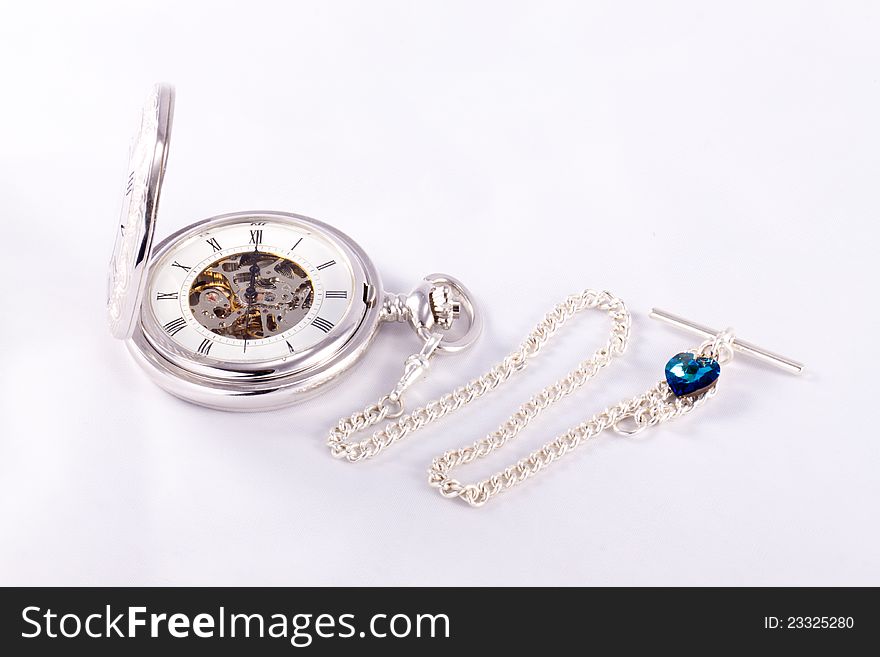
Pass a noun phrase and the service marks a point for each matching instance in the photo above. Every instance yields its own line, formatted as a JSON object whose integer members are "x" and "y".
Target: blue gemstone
{"x": 687, "y": 374}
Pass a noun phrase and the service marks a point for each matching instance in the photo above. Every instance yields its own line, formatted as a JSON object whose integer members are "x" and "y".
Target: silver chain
{"x": 656, "y": 405}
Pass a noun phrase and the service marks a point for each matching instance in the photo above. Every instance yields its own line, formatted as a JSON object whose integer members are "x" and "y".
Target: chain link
{"x": 656, "y": 405}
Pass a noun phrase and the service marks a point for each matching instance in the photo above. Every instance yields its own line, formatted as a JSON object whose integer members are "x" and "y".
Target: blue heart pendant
{"x": 687, "y": 374}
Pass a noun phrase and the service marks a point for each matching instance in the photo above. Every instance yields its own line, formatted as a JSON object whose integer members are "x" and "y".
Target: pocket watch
{"x": 254, "y": 310}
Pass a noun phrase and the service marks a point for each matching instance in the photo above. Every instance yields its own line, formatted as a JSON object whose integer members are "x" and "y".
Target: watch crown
{"x": 443, "y": 306}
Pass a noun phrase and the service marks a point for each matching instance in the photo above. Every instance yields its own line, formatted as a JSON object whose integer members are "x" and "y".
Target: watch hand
{"x": 251, "y": 295}
{"x": 247, "y": 318}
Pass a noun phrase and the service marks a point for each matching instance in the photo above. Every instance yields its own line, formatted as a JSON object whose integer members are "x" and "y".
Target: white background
{"x": 722, "y": 163}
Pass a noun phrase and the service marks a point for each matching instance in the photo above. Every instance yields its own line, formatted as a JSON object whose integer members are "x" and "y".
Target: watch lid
{"x": 137, "y": 222}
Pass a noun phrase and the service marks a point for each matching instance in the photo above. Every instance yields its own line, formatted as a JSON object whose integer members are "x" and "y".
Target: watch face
{"x": 251, "y": 290}
{"x": 135, "y": 228}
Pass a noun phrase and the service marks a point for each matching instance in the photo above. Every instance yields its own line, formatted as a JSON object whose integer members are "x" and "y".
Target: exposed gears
{"x": 251, "y": 295}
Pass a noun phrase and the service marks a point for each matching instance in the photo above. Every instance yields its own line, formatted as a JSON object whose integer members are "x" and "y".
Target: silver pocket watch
{"x": 254, "y": 310}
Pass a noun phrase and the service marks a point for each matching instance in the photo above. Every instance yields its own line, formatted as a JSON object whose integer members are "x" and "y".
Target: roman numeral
{"x": 336, "y": 294}
{"x": 256, "y": 236}
{"x": 214, "y": 243}
{"x": 329, "y": 263}
{"x": 129, "y": 186}
{"x": 289, "y": 346}
{"x": 323, "y": 324}
{"x": 205, "y": 347}
{"x": 297, "y": 244}
{"x": 166, "y": 295}
{"x": 175, "y": 325}
{"x": 183, "y": 267}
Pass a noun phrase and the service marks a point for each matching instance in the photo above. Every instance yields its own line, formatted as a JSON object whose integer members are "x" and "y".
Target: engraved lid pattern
{"x": 137, "y": 218}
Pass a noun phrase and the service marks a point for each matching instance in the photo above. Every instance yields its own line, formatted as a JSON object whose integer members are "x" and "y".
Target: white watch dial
{"x": 251, "y": 291}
